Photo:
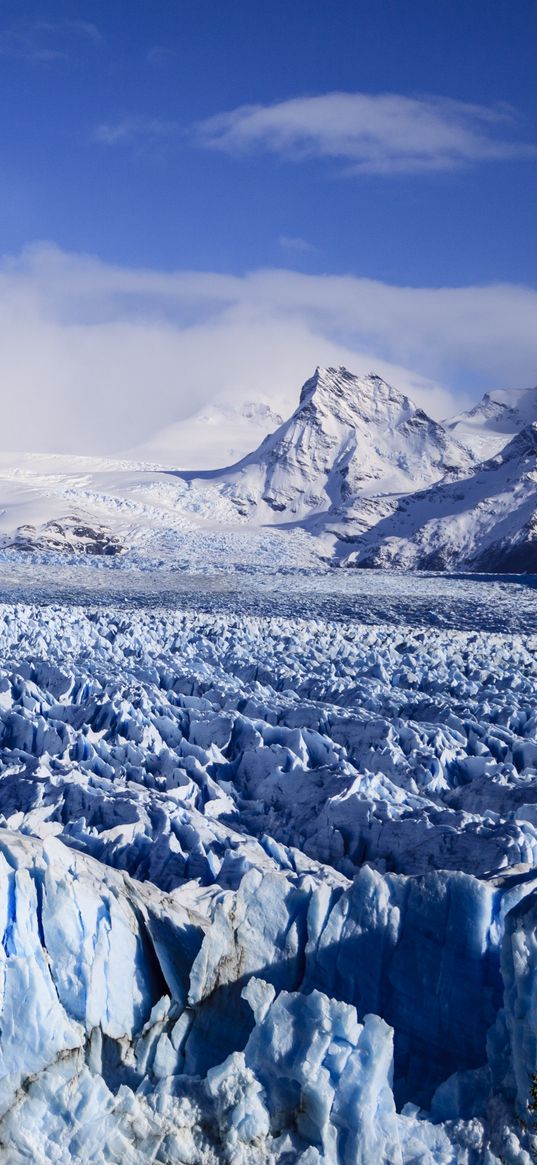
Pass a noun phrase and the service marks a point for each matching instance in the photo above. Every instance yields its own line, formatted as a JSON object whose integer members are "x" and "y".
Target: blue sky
{"x": 359, "y": 140}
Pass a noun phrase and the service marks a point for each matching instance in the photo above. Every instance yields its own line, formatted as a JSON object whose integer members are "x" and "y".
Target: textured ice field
{"x": 268, "y": 887}
{"x": 464, "y": 602}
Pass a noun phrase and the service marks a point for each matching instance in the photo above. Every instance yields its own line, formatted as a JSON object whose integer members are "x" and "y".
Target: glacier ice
{"x": 267, "y": 889}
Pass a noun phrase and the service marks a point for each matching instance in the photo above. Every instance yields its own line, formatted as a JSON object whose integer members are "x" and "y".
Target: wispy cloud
{"x": 295, "y": 243}
{"x": 135, "y": 130}
{"x": 149, "y": 348}
{"x": 383, "y": 133}
{"x": 45, "y": 41}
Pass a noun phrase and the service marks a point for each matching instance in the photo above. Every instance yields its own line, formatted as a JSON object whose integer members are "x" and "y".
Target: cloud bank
{"x": 383, "y": 133}
{"x": 97, "y": 358}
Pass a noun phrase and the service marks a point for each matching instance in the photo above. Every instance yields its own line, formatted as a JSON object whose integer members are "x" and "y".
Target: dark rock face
{"x": 520, "y": 558}
{"x": 69, "y": 535}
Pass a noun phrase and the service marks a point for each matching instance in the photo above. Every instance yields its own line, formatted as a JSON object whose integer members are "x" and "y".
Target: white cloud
{"x": 97, "y": 358}
{"x": 45, "y": 41}
{"x": 137, "y": 130}
{"x": 383, "y": 133}
{"x": 296, "y": 243}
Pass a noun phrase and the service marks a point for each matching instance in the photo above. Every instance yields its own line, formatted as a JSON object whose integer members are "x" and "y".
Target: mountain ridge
{"x": 358, "y": 474}
{"x": 489, "y": 525}
{"x": 358, "y": 463}
{"x": 489, "y": 424}
{"x": 348, "y": 436}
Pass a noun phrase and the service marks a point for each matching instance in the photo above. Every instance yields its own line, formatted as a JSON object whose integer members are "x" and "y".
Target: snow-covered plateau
{"x": 268, "y": 885}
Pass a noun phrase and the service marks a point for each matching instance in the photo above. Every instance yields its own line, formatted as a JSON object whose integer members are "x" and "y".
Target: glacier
{"x": 268, "y": 886}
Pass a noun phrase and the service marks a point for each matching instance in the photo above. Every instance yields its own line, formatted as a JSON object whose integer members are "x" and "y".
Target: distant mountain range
{"x": 358, "y": 466}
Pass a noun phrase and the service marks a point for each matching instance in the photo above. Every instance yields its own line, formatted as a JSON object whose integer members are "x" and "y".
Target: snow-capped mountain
{"x": 358, "y": 473}
{"x": 349, "y": 436}
{"x": 489, "y": 425}
{"x": 486, "y": 522}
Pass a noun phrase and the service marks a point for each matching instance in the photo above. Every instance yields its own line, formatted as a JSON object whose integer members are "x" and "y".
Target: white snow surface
{"x": 498, "y": 417}
{"x": 268, "y": 887}
{"x": 218, "y": 434}
{"x": 488, "y": 522}
{"x": 349, "y": 436}
{"x": 358, "y": 476}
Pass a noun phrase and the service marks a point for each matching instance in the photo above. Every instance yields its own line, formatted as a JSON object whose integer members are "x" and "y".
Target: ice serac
{"x": 329, "y": 1076}
{"x": 309, "y": 1079}
{"x": 519, "y": 965}
{"x": 87, "y": 947}
{"x": 361, "y": 946}
{"x": 349, "y": 438}
{"x": 104, "y": 1039}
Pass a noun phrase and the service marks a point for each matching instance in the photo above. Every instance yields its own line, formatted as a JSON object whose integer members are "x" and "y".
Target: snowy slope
{"x": 348, "y": 436}
{"x": 350, "y": 448}
{"x": 357, "y": 473}
{"x": 501, "y": 414}
{"x": 131, "y": 511}
{"x": 486, "y": 522}
{"x": 217, "y": 435}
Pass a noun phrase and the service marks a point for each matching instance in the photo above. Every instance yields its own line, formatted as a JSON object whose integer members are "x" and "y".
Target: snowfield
{"x": 268, "y": 851}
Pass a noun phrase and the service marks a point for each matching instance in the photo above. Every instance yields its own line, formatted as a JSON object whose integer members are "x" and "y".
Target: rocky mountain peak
{"x": 336, "y": 393}
{"x": 338, "y": 384}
